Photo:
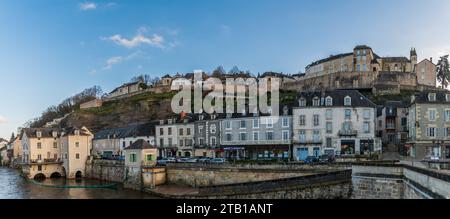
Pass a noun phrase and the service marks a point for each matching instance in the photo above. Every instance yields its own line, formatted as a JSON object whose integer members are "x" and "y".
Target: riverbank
{"x": 14, "y": 186}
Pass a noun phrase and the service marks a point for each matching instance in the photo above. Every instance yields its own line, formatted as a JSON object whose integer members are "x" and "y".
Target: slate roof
{"x": 48, "y": 132}
{"x": 125, "y": 85}
{"x": 358, "y": 100}
{"x": 422, "y": 97}
{"x": 139, "y": 145}
{"x": 329, "y": 58}
{"x": 395, "y": 59}
{"x": 147, "y": 129}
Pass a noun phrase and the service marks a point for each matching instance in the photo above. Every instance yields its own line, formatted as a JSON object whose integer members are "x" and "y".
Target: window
{"x": 38, "y": 134}
{"x": 347, "y": 101}
{"x": 358, "y": 67}
{"x": 347, "y": 126}
{"x": 302, "y": 135}
{"x": 255, "y": 123}
{"x": 213, "y": 141}
{"x": 242, "y": 136}
{"x": 432, "y": 115}
{"x": 316, "y": 136}
{"x": 302, "y": 120}
{"x": 447, "y": 115}
{"x": 255, "y": 136}
{"x": 329, "y": 143}
{"x": 447, "y": 97}
{"x": 55, "y": 144}
{"x": 316, "y": 120}
{"x": 269, "y": 123}
{"x": 148, "y": 157}
{"x": 161, "y": 142}
{"x": 348, "y": 114}
{"x": 227, "y": 124}
{"x": 77, "y": 156}
{"x": 181, "y": 143}
{"x": 329, "y": 114}
{"x": 366, "y": 127}
{"x": 432, "y": 97}
{"x": 329, "y": 127}
{"x": 201, "y": 141}
{"x": 285, "y": 135}
{"x": 366, "y": 114}
{"x": 243, "y": 124}
{"x": 431, "y": 132}
{"x": 170, "y": 142}
{"x": 329, "y": 101}
{"x": 188, "y": 131}
{"x": 133, "y": 158}
{"x": 448, "y": 132}
{"x": 364, "y": 66}
{"x": 213, "y": 129}
{"x": 228, "y": 137}
{"x": 269, "y": 136}
{"x": 39, "y": 145}
{"x": 77, "y": 144}
{"x": 285, "y": 122}
{"x": 39, "y": 168}
{"x": 302, "y": 102}
{"x": 169, "y": 131}
{"x": 39, "y": 157}
{"x": 316, "y": 101}
{"x": 161, "y": 131}
{"x": 200, "y": 129}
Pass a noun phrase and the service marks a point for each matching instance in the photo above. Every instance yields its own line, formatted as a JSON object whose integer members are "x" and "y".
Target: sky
{"x": 52, "y": 49}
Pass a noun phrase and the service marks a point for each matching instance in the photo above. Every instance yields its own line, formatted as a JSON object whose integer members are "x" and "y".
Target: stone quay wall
{"x": 201, "y": 175}
{"x": 398, "y": 181}
{"x": 107, "y": 170}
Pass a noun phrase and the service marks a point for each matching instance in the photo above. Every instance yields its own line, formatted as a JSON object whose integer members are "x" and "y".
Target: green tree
{"x": 443, "y": 72}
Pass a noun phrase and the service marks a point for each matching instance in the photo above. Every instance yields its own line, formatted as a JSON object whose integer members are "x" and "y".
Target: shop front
{"x": 234, "y": 153}
{"x": 273, "y": 152}
{"x": 366, "y": 146}
{"x": 347, "y": 147}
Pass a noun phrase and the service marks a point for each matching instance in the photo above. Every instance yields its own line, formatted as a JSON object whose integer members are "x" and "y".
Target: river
{"x": 14, "y": 186}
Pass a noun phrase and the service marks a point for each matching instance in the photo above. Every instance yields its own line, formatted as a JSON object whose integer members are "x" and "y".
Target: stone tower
{"x": 413, "y": 58}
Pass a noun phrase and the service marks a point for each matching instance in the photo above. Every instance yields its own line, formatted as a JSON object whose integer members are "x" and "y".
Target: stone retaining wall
{"x": 107, "y": 170}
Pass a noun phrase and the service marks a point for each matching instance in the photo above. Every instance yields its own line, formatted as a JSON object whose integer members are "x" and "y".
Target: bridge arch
{"x": 78, "y": 174}
{"x": 39, "y": 176}
{"x": 56, "y": 175}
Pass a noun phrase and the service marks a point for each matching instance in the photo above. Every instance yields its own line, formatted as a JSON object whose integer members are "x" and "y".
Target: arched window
{"x": 347, "y": 101}
{"x": 302, "y": 102}
{"x": 316, "y": 101}
{"x": 329, "y": 101}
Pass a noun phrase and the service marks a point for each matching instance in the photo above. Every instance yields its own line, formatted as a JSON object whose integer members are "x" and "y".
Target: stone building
{"x": 340, "y": 122}
{"x": 76, "y": 146}
{"x": 426, "y": 72}
{"x": 429, "y": 125}
{"x": 392, "y": 124}
{"x": 175, "y": 137}
{"x": 207, "y": 131}
{"x": 49, "y": 152}
{"x": 128, "y": 88}
{"x": 256, "y": 136}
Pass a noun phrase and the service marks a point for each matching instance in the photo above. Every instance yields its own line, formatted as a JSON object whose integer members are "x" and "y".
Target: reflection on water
{"x": 14, "y": 186}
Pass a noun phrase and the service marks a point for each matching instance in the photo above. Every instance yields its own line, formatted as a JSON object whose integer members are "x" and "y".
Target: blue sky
{"x": 52, "y": 49}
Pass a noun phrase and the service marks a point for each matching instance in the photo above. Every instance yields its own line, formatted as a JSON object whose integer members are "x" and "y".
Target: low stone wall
{"x": 197, "y": 175}
{"x": 153, "y": 177}
{"x": 398, "y": 181}
{"x": 107, "y": 170}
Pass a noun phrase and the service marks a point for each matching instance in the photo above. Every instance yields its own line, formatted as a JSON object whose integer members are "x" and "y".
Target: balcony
{"x": 348, "y": 133}
{"x": 259, "y": 142}
{"x": 308, "y": 141}
{"x": 206, "y": 146}
{"x": 46, "y": 161}
{"x": 390, "y": 126}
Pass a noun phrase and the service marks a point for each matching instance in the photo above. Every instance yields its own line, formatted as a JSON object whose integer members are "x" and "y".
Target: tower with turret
{"x": 413, "y": 58}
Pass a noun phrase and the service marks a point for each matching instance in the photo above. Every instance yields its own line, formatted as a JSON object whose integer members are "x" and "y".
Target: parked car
{"x": 218, "y": 160}
{"x": 325, "y": 159}
{"x": 311, "y": 159}
{"x": 162, "y": 161}
{"x": 191, "y": 160}
{"x": 204, "y": 160}
{"x": 171, "y": 160}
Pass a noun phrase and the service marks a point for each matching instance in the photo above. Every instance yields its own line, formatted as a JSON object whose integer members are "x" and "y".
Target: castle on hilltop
{"x": 364, "y": 69}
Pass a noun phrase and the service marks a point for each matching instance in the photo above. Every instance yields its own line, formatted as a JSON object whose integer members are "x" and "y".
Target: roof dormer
{"x": 432, "y": 97}
{"x": 39, "y": 134}
{"x": 347, "y": 101}
{"x": 328, "y": 101}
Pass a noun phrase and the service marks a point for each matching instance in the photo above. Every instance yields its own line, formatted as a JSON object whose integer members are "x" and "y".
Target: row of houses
{"x": 339, "y": 122}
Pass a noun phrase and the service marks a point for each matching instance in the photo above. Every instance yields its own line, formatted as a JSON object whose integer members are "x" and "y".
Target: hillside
{"x": 137, "y": 109}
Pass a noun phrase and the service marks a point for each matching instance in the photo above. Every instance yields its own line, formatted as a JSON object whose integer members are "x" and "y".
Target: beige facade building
{"x": 76, "y": 145}
{"x": 48, "y": 152}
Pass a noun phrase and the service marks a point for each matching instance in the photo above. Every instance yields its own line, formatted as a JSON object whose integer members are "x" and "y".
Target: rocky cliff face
{"x": 141, "y": 108}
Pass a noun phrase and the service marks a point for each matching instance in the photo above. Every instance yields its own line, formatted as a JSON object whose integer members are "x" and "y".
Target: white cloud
{"x": 88, "y": 6}
{"x": 112, "y": 61}
{"x": 3, "y": 120}
{"x": 155, "y": 40}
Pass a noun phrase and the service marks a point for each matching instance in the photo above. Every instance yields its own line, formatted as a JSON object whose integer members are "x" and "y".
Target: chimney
{"x": 431, "y": 59}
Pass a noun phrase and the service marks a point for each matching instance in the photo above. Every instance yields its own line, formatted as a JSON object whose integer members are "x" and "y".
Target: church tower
{"x": 413, "y": 59}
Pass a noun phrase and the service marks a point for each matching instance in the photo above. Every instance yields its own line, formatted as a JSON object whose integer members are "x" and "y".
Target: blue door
{"x": 316, "y": 152}
{"x": 302, "y": 153}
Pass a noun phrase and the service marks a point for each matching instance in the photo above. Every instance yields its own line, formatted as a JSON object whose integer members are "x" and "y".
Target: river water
{"x": 14, "y": 186}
